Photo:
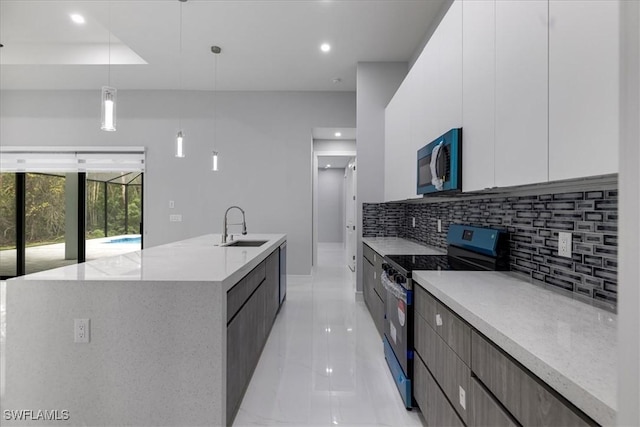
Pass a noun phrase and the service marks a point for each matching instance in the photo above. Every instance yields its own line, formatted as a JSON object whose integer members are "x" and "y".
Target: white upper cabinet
{"x": 399, "y": 156}
{"x": 478, "y": 93}
{"x": 584, "y": 88}
{"x": 521, "y": 133}
{"x": 447, "y": 41}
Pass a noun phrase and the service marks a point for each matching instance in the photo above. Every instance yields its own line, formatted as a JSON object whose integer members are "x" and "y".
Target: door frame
{"x": 314, "y": 198}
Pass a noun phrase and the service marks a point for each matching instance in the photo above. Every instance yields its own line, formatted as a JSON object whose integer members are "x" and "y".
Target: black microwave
{"x": 440, "y": 164}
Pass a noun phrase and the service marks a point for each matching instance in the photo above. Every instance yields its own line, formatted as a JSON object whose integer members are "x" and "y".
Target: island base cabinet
{"x": 249, "y": 328}
{"x": 432, "y": 402}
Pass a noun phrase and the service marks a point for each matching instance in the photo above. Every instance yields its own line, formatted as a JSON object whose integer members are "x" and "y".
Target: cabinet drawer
{"x": 435, "y": 407}
{"x": 485, "y": 411}
{"x": 455, "y": 332}
{"x": 527, "y": 398}
{"x": 237, "y": 295}
{"x": 425, "y": 305}
{"x": 368, "y": 253}
{"x": 451, "y": 373}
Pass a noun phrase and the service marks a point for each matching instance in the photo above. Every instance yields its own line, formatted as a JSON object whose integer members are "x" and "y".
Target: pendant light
{"x": 180, "y": 134}
{"x": 214, "y": 154}
{"x": 108, "y": 92}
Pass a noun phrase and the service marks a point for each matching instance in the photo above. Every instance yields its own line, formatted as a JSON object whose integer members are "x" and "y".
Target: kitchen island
{"x": 174, "y": 334}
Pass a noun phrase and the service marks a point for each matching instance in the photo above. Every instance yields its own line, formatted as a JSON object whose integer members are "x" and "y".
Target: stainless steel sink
{"x": 246, "y": 243}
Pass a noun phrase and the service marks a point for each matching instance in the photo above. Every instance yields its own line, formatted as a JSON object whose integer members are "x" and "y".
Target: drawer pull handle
{"x": 438, "y": 320}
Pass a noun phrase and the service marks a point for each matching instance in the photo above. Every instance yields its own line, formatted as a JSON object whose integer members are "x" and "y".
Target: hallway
{"x": 323, "y": 363}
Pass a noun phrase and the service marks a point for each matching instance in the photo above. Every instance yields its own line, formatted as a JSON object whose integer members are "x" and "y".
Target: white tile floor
{"x": 323, "y": 363}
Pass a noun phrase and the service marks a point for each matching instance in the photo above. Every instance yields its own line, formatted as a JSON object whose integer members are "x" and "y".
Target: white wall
{"x": 333, "y": 145}
{"x": 629, "y": 247}
{"x": 376, "y": 84}
{"x": 264, "y": 140}
{"x": 331, "y": 205}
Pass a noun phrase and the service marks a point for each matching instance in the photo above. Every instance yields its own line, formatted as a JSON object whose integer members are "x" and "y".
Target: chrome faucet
{"x": 225, "y": 224}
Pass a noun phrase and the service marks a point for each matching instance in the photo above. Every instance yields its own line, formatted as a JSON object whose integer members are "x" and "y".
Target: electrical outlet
{"x": 81, "y": 331}
{"x": 413, "y": 222}
{"x": 564, "y": 244}
{"x": 439, "y": 226}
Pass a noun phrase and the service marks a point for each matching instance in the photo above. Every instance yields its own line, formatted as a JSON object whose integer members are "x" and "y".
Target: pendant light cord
{"x": 109, "y": 30}
{"x": 215, "y": 100}
{"x": 180, "y": 73}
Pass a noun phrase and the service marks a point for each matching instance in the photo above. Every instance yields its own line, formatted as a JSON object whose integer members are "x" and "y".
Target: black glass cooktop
{"x": 409, "y": 263}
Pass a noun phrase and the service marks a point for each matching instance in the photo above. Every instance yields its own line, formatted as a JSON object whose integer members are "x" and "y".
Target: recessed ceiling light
{"x": 325, "y": 47}
{"x": 78, "y": 19}
{"x": 338, "y": 134}
{"x": 327, "y": 167}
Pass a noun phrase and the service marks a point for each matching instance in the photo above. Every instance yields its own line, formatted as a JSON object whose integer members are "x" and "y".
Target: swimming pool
{"x": 135, "y": 239}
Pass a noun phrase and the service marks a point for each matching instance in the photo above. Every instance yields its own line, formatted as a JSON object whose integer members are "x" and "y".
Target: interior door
{"x": 350, "y": 206}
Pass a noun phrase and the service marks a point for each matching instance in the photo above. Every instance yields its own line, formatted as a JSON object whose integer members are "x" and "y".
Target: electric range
{"x": 469, "y": 248}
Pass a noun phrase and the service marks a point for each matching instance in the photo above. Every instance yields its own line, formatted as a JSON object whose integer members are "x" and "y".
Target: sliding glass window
{"x": 8, "y": 225}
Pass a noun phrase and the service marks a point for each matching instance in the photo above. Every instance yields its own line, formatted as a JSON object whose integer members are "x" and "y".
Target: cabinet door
{"x": 367, "y": 278}
{"x": 523, "y": 395}
{"x": 272, "y": 279}
{"x": 434, "y": 405}
{"x": 400, "y": 155}
{"x": 478, "y": 93}
{"x": 584, "y": 88}
{"x": 521, "y": 148}
{"x": 449, "y": 90}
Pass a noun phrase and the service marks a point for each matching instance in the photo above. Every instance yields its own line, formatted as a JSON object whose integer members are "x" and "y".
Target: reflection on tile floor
{"x": 323, "y": 363}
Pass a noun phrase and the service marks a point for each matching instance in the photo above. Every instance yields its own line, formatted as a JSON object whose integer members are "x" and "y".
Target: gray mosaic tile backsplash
{"x": 533, "y": 222}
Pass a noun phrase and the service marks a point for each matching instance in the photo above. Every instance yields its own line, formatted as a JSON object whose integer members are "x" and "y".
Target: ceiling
{"x": 334, "y": 133}
{"x": 266, "y": 44}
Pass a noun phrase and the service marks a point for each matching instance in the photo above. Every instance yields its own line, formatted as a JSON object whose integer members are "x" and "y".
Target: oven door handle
{"x": 396, "y": 290}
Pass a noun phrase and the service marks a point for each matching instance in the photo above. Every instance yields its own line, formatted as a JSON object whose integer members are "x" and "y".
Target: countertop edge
{"x": 584, "y": 400}
{"x": 402, "y": 246}
{"x": 236, "y": 276}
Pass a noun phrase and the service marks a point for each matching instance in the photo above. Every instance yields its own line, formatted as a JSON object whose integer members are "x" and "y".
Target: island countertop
{"x": 568, "y": 344}
{"x": 199, "y": 259}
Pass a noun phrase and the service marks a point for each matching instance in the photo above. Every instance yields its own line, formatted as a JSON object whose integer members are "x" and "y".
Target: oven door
{"x": 398, "y": 322}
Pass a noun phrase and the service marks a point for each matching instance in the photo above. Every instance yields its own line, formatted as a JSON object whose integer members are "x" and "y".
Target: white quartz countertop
{"x": 196, "y": 259}
{"x": 568, "y": 344}
{"x": 399, "y": 246}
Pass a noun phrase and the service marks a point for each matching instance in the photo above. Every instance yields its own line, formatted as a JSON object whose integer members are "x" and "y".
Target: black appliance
{"x": 469, "y": 248}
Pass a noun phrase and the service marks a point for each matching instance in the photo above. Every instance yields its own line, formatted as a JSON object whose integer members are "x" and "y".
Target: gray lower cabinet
{"x": 528, "y": 399}
{"x": 434, "y": 405}
{"x": 458, "y": 371}
{"x": 249, "y": 325}
{"x": 450, "y": 372}
{"x": 372, "y": 286}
